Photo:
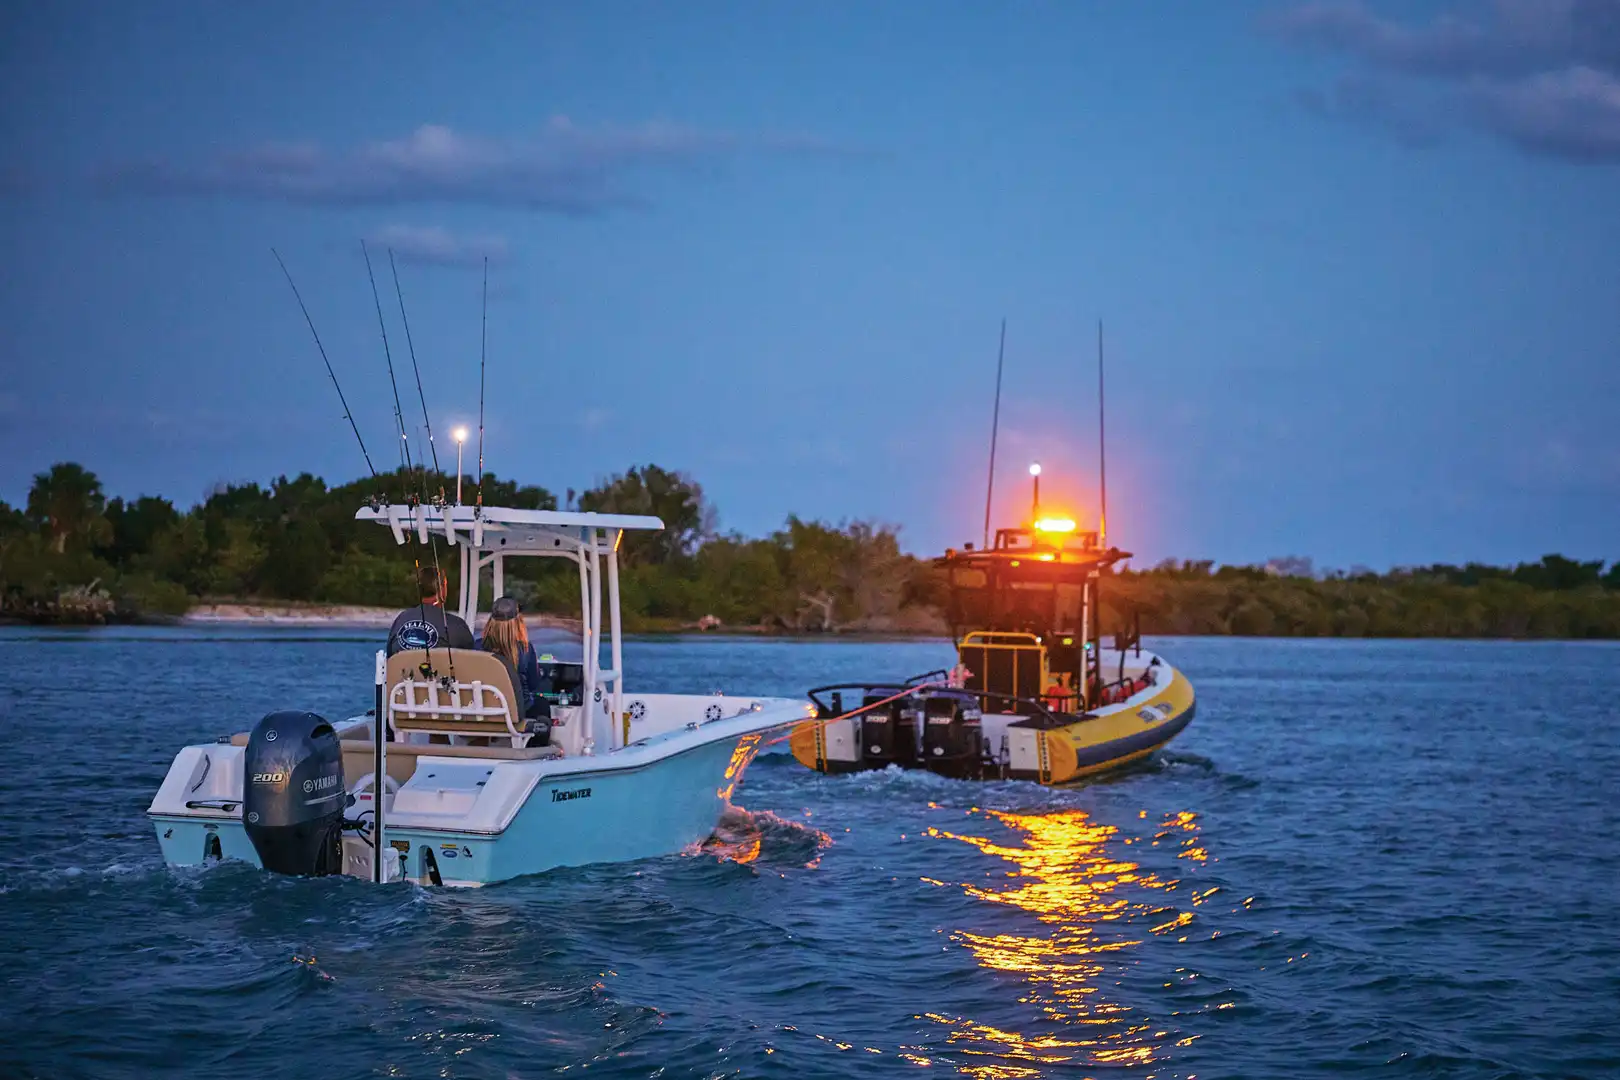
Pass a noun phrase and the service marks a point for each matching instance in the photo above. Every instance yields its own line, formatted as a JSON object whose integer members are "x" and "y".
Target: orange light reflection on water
{"x": 1066, "y": 875}
{"x": 741, "y": 755}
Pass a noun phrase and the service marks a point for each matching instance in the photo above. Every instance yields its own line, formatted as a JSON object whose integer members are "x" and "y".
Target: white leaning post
{"x": 379, "y": 781}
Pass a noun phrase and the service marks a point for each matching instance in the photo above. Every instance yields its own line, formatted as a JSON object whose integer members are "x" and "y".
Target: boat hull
{"x": 1122, "y": 735}
{"x": 571, "y": 812}
{"x": 1107, "y": 739}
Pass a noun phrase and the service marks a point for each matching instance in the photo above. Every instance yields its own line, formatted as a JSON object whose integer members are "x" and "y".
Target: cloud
{"x": 562, "y": 168}
{"x": 1375, "y": 103}
{"x": 1544, "y": 75}
{"x": 438, "y": 246}
{"x": 1573, "y": 114}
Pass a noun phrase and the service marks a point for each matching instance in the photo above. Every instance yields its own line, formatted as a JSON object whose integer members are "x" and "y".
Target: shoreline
{"x": 362, "y": 617}
{"x": 294, "y": 615}
{"x": 356, "y": 617}
{"x": 337, "y": 616}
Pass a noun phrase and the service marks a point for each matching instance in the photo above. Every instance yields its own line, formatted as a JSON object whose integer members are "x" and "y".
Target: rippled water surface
{"x": 1389, "y": 859}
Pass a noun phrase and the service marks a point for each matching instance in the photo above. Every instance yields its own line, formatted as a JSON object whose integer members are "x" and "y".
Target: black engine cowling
{"x": 951, "y": 732}
{"x": 293, "y": 804}
{"x": 888, "y": 731}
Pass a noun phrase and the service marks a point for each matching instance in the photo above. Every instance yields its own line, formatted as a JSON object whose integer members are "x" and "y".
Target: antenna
{"x": 483, "y": 342}
{"x": 347, "y": 415}
{"x": 995, "y": 423}
{"x": 418, "y": 371}
{"x": 1102, "y": 446}
{"x": 399, "y": 416}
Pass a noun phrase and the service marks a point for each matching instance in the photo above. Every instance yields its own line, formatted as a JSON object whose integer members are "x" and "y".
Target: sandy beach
{"x": 333, "y": 615}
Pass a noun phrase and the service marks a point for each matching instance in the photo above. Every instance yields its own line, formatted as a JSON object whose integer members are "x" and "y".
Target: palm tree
{"x": 68, "y": 504}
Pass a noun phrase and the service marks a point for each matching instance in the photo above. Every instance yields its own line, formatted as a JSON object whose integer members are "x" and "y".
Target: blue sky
{"x": 1358, "y": 265}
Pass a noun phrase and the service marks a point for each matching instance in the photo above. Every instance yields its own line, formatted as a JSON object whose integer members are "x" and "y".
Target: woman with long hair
{"x": 507, "y": 636}
{"x": 502, "y": 637}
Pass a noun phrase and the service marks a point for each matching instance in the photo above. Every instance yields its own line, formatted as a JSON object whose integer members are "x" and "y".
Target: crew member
{"x": 426, "y": 625}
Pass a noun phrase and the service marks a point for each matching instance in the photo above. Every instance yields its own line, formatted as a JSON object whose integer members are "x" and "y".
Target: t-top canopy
{"x": 501, "y": 527}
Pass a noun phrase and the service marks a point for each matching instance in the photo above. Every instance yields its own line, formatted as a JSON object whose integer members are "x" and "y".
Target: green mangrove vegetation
{"x": 72, "y": 554}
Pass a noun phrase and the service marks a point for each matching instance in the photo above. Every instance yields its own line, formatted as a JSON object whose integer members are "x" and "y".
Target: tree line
{"x": 1555, "y": 597}
{"x": 72, "y": 554}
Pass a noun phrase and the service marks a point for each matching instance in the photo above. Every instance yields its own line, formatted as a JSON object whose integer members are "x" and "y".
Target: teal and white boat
{"x": 469, "y": 797}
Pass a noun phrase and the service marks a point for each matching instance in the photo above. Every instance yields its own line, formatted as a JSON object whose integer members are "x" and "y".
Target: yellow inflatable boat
{"x": 1032, "y": 697}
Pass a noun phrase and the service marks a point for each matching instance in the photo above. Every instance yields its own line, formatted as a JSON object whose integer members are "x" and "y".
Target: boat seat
{"x": 457, "y": 693}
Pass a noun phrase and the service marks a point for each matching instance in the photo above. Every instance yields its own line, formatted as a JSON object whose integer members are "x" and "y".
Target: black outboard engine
{"x": 294, "y": 800}
{"x": 878, "y": 725}
{"x": 888, "y": 732}
{"x": 951, "y": 733}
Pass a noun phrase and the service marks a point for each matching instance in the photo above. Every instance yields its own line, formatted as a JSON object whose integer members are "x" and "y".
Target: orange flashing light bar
{"x": 1055, "y": 525}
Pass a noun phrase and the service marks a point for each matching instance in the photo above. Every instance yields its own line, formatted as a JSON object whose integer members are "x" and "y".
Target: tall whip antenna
{"x": 1102, "y": 445}
{"x": 483, "y": 342}
{"x": 433, "y": 449}
{"x": 347, "y": 415}
{"x": 399, "y": 415}
{"x": 995, "y": 423}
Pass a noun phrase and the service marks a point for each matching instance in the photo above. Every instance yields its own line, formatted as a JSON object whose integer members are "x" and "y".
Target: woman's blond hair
{"x": 504, "y": 637}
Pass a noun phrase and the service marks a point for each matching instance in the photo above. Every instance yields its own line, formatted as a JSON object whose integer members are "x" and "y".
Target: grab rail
{"x": 825, "y": 711}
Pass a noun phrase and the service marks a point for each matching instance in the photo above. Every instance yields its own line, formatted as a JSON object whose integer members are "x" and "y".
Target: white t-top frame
{"x": 485, "y": 536}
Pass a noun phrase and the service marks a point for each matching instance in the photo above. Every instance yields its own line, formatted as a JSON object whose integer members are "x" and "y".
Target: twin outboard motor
{"x": 951, "y": 732}
{"x": 293, "y": 803}
{"x": 888, "y": 731}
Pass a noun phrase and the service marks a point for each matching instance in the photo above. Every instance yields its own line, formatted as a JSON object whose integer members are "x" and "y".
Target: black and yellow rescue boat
{"x": 1032, "y": 696}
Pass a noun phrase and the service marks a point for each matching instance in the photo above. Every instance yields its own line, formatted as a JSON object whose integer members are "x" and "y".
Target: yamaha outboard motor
{"x": 888, "y": 731}
{"x": 951, "y": 733}
{"x": 294, "y": 800}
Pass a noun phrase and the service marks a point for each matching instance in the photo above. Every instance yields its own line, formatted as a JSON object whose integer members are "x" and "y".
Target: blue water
{"x": 1374, "y": 858}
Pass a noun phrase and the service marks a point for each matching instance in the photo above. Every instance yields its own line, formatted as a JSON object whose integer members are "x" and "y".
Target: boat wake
{"x": 1177, "y": 763}
{"x": 75, "y": 878}
{"x": 1172, "y": 759}
{"x": 744, "y": 836}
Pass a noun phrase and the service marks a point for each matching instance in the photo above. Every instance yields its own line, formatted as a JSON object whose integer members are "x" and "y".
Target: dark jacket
{"x": 526, "y": 676}
{"x": 428, "y": 626}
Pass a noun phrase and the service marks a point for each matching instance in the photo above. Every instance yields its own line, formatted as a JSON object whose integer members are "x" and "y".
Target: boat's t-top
{"x": 486, "y": 536}
{"x": 1025, "y": 615}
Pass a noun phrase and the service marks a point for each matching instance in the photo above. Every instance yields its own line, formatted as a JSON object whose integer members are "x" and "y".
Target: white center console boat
{"x": 473, "y": 791}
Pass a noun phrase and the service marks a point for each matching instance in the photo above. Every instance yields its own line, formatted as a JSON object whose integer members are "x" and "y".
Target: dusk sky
{"x": 1358, "y": 264}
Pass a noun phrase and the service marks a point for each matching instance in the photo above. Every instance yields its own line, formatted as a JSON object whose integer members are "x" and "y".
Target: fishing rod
{"x": 347, "y": 415}
{"x": 418, "y": 502}
{"x": 995, "y": 422}
{"x": 399, "y": 416}
{"x": 483, "y": 344}
{"x": 432, "y": 447}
